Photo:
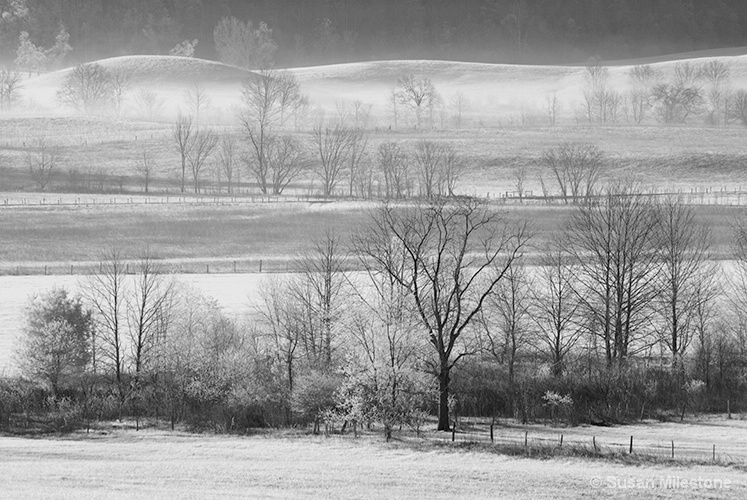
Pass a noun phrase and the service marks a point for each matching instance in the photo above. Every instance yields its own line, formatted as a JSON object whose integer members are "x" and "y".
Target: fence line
{"x": 531, "y": 441}
{"x": 693, "y": 196}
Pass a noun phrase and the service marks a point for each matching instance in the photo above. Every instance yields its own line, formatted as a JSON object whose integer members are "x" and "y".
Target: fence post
{"x": 491, "y": 433}
{"x": 714, "y": 452}
{"x": 673, "y": 449}
{"x": 526, "y": 441}
{"x": 561, "y": 440}
{"x": 631, "y": 445}
{"x": 728, "y": 408}
{"x": 594, "y": 442}
{"x": 71, "y": 269}
{"x": 453, "y": 431}
{"x": 45, "y": 270}
{"x": 260, "y": 265}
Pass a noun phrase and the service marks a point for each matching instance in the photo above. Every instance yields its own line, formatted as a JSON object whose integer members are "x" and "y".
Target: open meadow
{"x": 229, "y": 246}
{"x": 159, "y": 464}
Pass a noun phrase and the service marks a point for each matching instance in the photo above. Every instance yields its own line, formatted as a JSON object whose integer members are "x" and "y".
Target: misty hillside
{"x": 490, "y": 88}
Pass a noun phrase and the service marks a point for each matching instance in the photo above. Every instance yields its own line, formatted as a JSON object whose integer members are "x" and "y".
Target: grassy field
{"x": 57, "y": 235}
{"x": 157, "y": 464}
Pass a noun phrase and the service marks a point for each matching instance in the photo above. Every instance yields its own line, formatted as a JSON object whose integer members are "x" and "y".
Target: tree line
{"x": 312, "y": 32}
{"x": 439, "y": 307}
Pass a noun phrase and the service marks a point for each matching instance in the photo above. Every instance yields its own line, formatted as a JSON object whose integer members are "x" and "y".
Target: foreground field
{"x": 155, "y": 464}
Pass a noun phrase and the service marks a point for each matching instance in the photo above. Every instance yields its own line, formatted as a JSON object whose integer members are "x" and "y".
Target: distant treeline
{"x": 323, "y": 31}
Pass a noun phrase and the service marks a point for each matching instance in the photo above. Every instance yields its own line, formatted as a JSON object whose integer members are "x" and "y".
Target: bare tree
{"x": 184, "y": 138}
{"x": 674, "y": 103}
{"x": 268, "y": 97}
{"x": 552, "y": 105}
{"x": 392, "y": 101}
{"x": 357, "y": 158}
{"x": 203, "y": 144}
{"x": 282, "y": 323}
{"x": 520, "y": 177}
{"x": 10, "y": 87}
{"x": 333, "y": 144}
{"x": 227, "y": 153}
{"x": 459, "y": 106}
{"x": 144, "y": 167}
{"x": 417, "y": 93}
{"x": 361, "y": 114}
{"x": 449, "y": 257}
{"x": 42, "y": 161}
{"x": 394, "y": 166}
{"x": 286, "y": 161}
{"x": 557, "y": 307}
{"x": 149, "y": 102}
{"x": 105, "y": 290}
{"x": 715, "y": 74}
{"x": 601, "y": 104}
{"x": 687, "y": 271}
{"x": 612, "y": 242}
{"x": 643, "y": 79}
{"x": 428, "y": 157}
{"x": 506, "y": 320}
{"x": 289, "y": 94}
{"x": 738, "y": 108}
{"x": 197, "y": 100}
{"x": 121, "y": 81}
{"x": 452, "y": 171}
{"x": 148, "y": 313}
{"x": 88, "y": 87}
{"x": 577, "y": 169}
{"x": 320, "y": 288}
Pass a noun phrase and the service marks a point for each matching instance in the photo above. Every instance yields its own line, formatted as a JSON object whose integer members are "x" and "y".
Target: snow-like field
{"x": 156, "y": 464}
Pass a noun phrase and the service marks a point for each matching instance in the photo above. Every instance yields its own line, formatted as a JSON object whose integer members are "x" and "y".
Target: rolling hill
{"x": 494, "y": 90}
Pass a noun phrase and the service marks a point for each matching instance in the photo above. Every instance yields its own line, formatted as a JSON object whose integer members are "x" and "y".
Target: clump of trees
{"x": 623, "y": 316}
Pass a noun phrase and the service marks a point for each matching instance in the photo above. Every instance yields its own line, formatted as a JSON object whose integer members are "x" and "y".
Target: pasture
{"x": 159, "y": 464}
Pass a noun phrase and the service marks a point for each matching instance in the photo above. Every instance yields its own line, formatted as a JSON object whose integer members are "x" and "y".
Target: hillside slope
{"x": 492, "y": 89}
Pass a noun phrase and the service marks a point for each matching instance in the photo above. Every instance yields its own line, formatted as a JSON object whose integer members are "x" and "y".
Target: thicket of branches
{"x": 438, "y": 307}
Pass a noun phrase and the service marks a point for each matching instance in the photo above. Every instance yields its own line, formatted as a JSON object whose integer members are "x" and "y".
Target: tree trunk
{"x": 443, "y": 400}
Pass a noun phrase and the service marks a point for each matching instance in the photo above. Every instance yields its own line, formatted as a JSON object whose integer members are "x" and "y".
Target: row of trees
{"x": 335, "y": 152}
{"x": 431, "y": 308}
{"x": 690, "y": 89}
{"x": 317, "y": 32}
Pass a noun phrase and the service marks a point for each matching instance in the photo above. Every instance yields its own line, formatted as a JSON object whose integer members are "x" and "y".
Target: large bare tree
{"x": 87, "y": 88}
{"x": 450, "y": 258}
{"x": 576, "y": 168}
{"x": 416, "y": 92}
{"x": 613, "y": 245}
{"x": 268, "y": 97}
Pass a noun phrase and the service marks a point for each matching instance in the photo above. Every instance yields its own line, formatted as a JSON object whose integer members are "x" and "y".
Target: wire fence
{"x": 607, "y": 441}
{"x": 532, "y": 440}
{"x": 723, "y": 196}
